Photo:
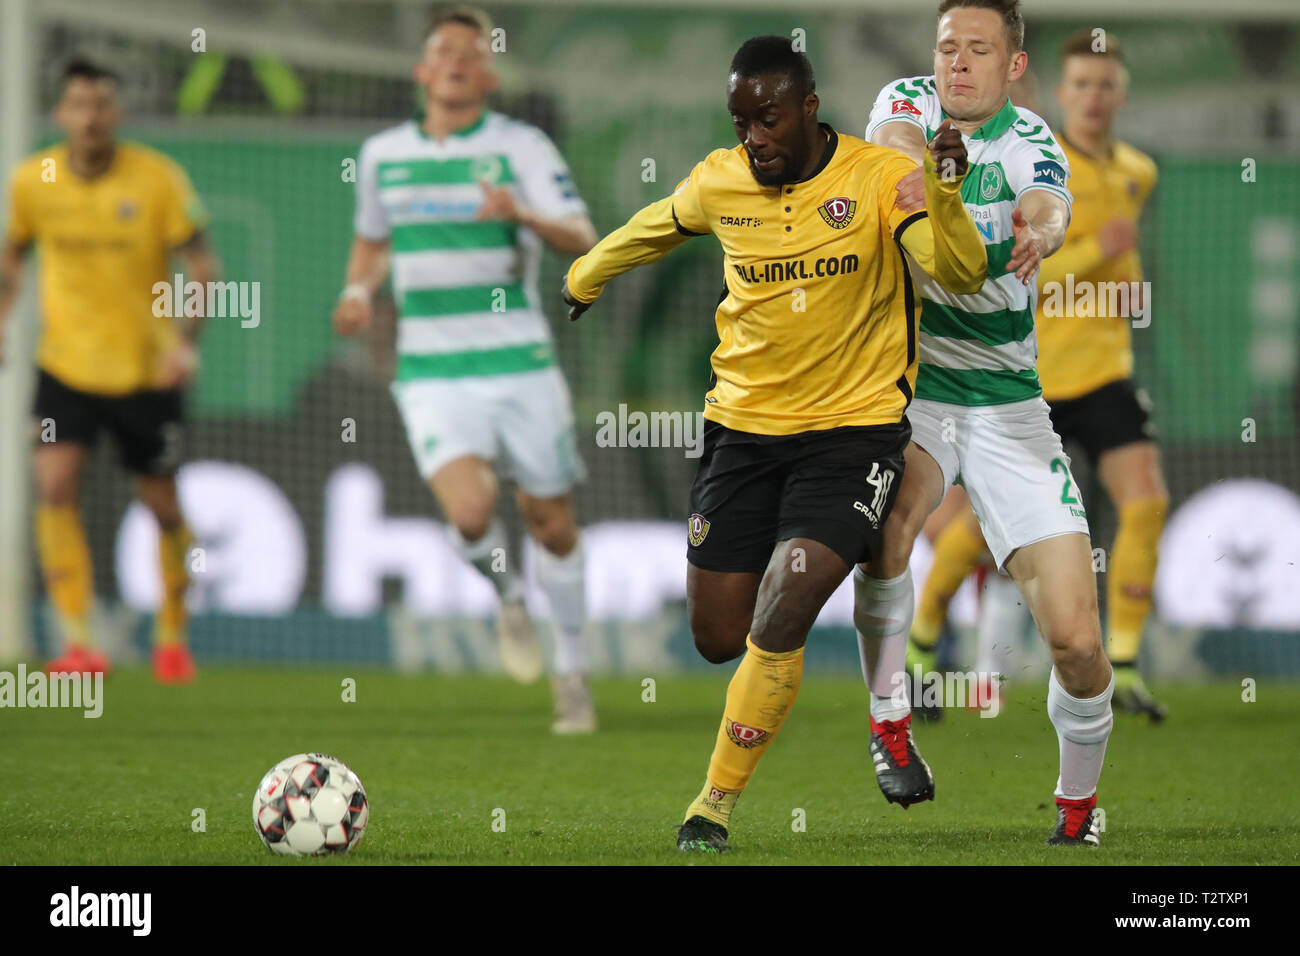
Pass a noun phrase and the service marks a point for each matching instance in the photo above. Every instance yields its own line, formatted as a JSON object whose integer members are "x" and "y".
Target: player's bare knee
{"x": 782, "y": 626}
{"x": 167, "y": 514}
{"x": 57, "y": 492}
{"x": 1075, "y": 648}
{"x": 550, "y": 522}
{"x": 717, "y": 641}
{"x": 557, "y": 534}
{"x": 718, "y": 650}
{"x": 158, "y": 494}
{"x": 896, "y": 546}
{"x": 471, "y": 520}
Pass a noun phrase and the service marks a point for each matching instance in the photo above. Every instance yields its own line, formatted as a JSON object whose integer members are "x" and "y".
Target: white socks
{"x": 1002, "y": 624}
{"x": 490, "y": 554}
{"x": 564, "y": 582}
{"x": 1082, "y": 727}
{"x": 882, "y": 611}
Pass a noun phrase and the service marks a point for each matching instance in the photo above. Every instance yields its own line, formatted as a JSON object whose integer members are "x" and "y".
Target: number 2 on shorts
{"x": 1063, "y": 468}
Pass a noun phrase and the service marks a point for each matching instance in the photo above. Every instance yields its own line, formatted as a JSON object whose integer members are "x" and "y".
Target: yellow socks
{"x": 1131, "y": 572}
{"x": 759, "y": 698}
{"x": 956, "y": 552}
{"x": 65, "y": 563}
{"x": 173, "y": 552}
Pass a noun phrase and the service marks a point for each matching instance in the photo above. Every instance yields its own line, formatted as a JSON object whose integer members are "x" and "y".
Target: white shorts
{"x": 523, "y": 421}
{"x": 1011, "y": 463}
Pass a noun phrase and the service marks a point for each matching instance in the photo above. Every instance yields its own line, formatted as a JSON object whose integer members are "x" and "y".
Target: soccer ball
{"x": 310, "y": 805}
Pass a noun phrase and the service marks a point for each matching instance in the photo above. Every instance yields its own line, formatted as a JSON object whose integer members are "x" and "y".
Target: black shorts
{"x": 835, "y": 486}
{"x": 1115, "y": 414}
{"x": 147, "y": 426}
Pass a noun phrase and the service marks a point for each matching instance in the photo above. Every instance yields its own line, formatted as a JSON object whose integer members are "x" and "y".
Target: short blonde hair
{"x": 1084, "y": 43}
{"x": 464, "y": 15}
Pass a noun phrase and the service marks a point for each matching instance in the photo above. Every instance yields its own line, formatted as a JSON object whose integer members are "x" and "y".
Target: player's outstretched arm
{"x": 1081, "y": 255}
{"x": 905, "y": 137}
{"x": 946, "y": 244}
{"x": 645, "y": 238}
{"x": 201, "y": 265}
{"x": 572, "y": 234}
{"x": 1039, "y": 224}
{"x": 180, "y": 364}
{"x": 366, "y": 271}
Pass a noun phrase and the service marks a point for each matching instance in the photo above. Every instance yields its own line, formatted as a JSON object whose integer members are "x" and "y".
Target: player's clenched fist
{"x": 576, "y": 308}
{"x": 949, "y": 151}
{"x": 352, "y": 313}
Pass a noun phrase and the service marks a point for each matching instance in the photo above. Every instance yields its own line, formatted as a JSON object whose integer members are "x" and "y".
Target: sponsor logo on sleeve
{"x": 903, "y": 106}
{"x": 1049, "y": 173}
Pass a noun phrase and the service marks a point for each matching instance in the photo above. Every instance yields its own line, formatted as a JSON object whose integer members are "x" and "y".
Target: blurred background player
{"x": 1085, "y": 362}
{"x": 107, "y": 217}
{"x": 462, "y": 199}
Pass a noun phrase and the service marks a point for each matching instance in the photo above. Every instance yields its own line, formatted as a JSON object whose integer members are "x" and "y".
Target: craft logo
{"x": 838, "y": 212}
{"x": 697, "y": 529}
{"x": 742, "y": 735}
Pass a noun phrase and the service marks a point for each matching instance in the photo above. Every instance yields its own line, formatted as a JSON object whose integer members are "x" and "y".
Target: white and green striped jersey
{"x": 980, "y": 349}
{"x": 466, "y": 289}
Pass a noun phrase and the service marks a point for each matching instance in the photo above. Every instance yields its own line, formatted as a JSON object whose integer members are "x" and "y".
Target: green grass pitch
{"x": 439, "y": 755}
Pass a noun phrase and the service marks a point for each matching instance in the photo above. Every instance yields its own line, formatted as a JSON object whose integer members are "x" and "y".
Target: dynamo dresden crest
{"x": 743, "y": 735}
{"x": 838, "y": 213}
{"x": 697, "y": 529}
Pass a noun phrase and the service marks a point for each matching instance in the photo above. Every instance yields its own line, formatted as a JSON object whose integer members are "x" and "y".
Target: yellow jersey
{"x": 818, "y": 325}
{"x": 103, "y": 243}
{"x": 1080, "y": 351}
